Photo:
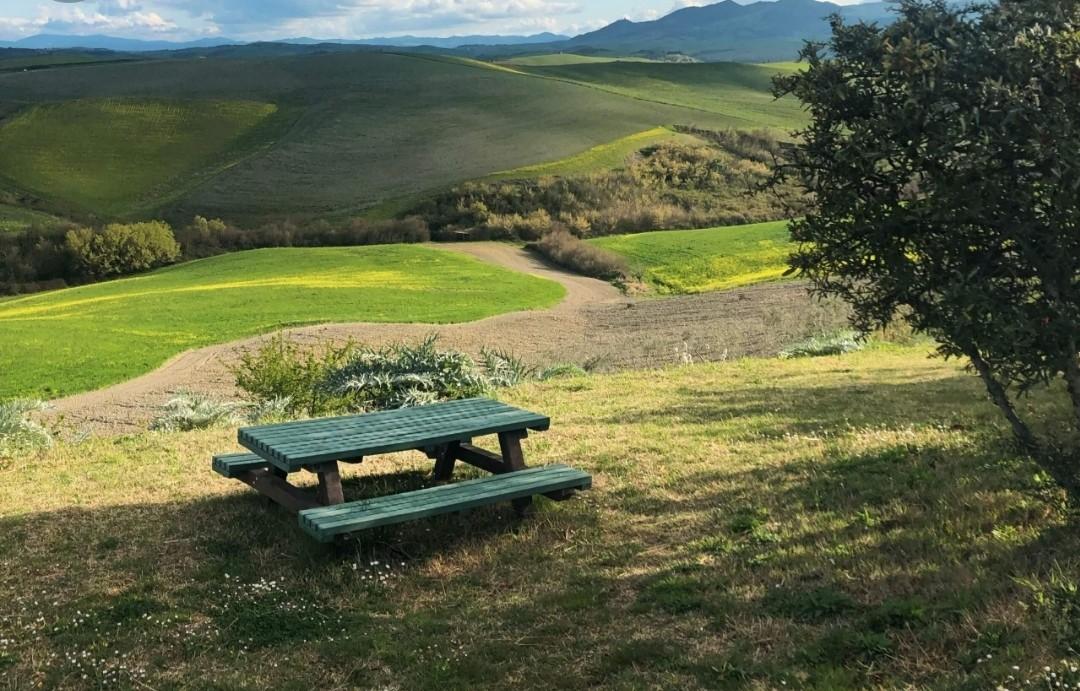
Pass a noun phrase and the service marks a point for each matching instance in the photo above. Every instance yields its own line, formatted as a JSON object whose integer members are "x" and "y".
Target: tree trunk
{"x": 1049, "y": 460}
{"x": 1000, "y": 397}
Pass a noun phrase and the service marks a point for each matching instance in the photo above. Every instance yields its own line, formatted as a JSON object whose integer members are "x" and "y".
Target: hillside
{"x": 85, "y": 338}
{"x": 356, "y": 129}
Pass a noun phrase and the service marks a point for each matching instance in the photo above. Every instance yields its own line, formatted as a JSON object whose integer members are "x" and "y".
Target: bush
{"x": 189, "y": 411}
{"x": 292, "y": 376}
{"x": 287, "y": 381}
{"x": 121, "y": 249}
{"x": 402, "y": 376}
{"x": 577, "y": 255}
{"x": 834, "y": 344}
{"x": 18, "y": 433}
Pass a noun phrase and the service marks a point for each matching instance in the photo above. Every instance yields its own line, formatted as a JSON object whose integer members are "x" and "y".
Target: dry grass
{"x": 850, "y": 522}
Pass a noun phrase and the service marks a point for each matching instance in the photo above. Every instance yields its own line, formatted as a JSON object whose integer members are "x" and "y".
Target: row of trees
{"x": 39, "y": 259}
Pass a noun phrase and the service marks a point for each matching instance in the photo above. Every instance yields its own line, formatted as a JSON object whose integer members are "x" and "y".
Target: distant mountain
{"x": 122, "y": 45}
{"x": 129, "y": 45}
{"x": 728, "y": 30}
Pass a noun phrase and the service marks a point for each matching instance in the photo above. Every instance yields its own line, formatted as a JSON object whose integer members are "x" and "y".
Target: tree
{"x": 121, "y": 249}
{"x": 943, "y": 161}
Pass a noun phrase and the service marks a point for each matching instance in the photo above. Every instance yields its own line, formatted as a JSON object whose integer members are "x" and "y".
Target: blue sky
{"x": 266, "y": 19}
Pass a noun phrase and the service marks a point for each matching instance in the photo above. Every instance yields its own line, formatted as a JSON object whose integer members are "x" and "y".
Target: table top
{"x": 293, "y": 445}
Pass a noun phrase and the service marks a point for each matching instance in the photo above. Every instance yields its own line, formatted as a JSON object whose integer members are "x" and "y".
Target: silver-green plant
{"x": 828, "y": 344}
{"x": 191, "y": 411}
{"x": 19, "y": 434}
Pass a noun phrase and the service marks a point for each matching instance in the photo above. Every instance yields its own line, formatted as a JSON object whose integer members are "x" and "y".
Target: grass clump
{"x": 18, "y": 433}
{"x": 840, "y": 343}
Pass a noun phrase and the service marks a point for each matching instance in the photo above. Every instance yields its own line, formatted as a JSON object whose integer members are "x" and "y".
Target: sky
{"x": 272, "y": 19}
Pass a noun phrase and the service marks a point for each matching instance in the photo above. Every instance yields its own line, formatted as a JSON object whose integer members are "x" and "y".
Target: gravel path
{"x": 595, "y": 322}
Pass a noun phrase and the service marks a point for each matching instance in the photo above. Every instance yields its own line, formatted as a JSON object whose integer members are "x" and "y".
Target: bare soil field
{"x": 595, "y": 324}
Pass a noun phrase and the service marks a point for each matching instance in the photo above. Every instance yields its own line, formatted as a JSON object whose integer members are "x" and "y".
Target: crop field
{"x": 85, "y": 338}
{"x": 116, "y": 156}
{"x": 695, "y": 261}
{"x": 355, "y": 130}
{"x": 740, "y": 94}
{"x": 838, "y": 523}
{"x": 17, "y": 218}
{"x": 604, "y": 157}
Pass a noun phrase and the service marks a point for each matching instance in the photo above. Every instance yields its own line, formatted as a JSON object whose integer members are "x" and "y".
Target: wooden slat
{"x": 291, "y": 446}
{"x": 326, "y": 523}
{"x": 232, "y": 465}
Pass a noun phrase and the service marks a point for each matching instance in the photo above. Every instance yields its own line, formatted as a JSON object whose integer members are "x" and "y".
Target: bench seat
{"x": 233, "y": 465}
{"x": 326, "y": 523}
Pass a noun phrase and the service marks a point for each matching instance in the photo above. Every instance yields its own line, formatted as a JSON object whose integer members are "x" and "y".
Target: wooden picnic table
{"x": 443, "y": 431}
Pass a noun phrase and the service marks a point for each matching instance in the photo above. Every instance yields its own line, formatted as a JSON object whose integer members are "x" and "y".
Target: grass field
{"x": 741, "y": 94}
{"x": 357, "y": 130}
{"x": 115, "y": 157}
{"x": 604, "y": 157}
{"x": 557, "y": 59}
{"x": 837, "y": 523}
{"x": 85, "y": 338}
{"x": 695, "y": 261}
{"x": 17, "y": 218}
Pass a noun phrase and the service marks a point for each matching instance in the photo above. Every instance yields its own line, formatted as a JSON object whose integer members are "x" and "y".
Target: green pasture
{"x": 354, "y": 131}
{"x": 115, "y": 156}
{"x": 740, "y": 94}
{"x": 80, "y": 339}
{"x": 17, "y": 218}
{"x": 696, "y": 261}
{"x": 557, "y": 59}
{"x": 604, "y": 157}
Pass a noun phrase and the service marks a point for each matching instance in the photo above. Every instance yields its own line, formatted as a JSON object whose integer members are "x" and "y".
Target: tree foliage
{"x": 121, "y": 249}
{"x": 943, "y": 158}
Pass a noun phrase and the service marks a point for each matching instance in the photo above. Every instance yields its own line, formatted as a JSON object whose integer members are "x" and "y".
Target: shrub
{"x": 18, "y": 433}
{"x": 121, "y": 249}
{"x": 190, "y": 411}
{"x": 560, "y": 371}
{"x": 831, "y": 344}
{"x": 504, "y": 369}
{"x": 401, "y": 376}
{"x": 292, "y": 376}
{"x": 573, "y": 253}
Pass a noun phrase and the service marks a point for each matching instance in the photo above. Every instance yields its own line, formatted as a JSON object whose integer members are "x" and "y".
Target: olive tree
{"x": 943, "y": 162}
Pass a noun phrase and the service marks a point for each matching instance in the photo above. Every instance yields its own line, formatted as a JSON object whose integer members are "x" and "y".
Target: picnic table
{"x": 443, "y": 431}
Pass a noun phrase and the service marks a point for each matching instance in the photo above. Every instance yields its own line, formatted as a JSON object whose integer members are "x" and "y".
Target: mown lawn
{"x": 109, "y": 156}
{"x": 696, "y": 261}
{"x": 84, "y": 338}
{"x": 838, "y": 523}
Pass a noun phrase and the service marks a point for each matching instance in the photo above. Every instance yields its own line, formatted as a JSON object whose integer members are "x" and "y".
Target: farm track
{"x": 594, "y": 323}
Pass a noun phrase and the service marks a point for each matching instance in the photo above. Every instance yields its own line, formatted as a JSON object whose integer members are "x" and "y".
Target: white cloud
{"x": 76, "y": 20}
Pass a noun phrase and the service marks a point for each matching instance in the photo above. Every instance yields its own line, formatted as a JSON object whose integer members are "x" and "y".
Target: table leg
{"x": 514, "y": 459}
{"x": 445, "y": 457}
{"x": 330, "y": 492}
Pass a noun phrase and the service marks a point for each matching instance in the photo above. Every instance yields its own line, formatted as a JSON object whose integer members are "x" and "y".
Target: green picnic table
{"x": 443, "y": 431}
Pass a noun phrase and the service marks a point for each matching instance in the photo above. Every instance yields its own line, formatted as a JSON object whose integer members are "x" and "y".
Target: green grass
{"x": 116, "y": 156}
{"x": 740, "y": 94}
{"x": 696, "y": 261}
{"x": 358, "y": 130}
{"x": 85, "y": 338}
{"x": 17, "y": 218}
{"x": 854, "y": 522}
{"x": 604, "y": 157}
{"x": 557, "y": 59}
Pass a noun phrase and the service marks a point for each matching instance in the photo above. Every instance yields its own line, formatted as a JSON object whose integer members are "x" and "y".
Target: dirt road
{"x": 595, "y": 322}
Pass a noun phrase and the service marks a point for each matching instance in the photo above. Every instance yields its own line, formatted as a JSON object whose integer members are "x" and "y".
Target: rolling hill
{"x": 85, "y": 338}
{"x": 352, "y": 130}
